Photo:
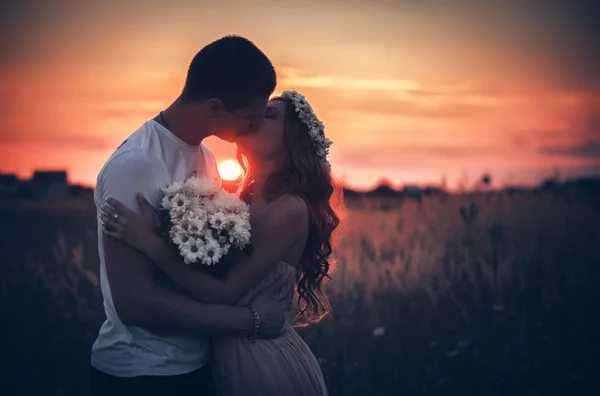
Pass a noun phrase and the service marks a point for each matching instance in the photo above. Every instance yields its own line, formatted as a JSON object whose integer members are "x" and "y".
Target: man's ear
{"x": 213, "y": 107}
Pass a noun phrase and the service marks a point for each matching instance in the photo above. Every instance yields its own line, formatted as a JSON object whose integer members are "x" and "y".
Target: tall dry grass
{"x": 479, "y": 294}
{"x": 484, "y": 294}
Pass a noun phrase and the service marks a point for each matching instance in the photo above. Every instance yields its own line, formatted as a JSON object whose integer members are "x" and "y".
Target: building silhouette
{"x": 43, "y": 184}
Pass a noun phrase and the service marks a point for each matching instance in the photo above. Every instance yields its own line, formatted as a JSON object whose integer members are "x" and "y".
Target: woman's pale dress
{"x": 283, "y": 366}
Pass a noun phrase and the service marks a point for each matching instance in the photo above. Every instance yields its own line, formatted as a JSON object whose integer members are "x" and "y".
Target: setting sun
{"x": 230, "y": 170}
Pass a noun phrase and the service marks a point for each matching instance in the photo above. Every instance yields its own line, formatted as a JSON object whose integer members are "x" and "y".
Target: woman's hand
{"x": 136, "y": 230}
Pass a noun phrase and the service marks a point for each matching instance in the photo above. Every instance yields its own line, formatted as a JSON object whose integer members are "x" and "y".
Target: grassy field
{"x": 481, "y": 294}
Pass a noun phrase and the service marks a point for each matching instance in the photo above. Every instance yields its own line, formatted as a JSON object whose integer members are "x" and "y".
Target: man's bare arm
{"x": 140, "y": 302}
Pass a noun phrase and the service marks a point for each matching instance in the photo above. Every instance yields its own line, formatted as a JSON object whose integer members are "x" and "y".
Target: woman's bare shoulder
{"x": 290, "y": 206}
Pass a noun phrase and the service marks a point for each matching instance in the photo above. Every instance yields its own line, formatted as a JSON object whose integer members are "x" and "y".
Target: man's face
{"x": 245, "y": 120}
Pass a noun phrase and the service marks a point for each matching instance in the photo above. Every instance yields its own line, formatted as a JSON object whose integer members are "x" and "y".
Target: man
{"x": 154, "y": 340}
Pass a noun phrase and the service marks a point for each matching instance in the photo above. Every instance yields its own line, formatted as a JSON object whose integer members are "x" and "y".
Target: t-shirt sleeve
{"x": 129, "y": 173}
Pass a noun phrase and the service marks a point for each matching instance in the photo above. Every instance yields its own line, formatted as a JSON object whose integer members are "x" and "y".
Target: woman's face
{"x": 266, "y": 143}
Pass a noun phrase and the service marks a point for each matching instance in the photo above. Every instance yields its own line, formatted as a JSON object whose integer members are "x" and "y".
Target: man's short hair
{"x": 231, "y": 69}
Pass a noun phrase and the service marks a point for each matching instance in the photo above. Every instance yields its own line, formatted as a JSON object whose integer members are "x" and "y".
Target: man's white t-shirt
{"x": 149, "y": 160}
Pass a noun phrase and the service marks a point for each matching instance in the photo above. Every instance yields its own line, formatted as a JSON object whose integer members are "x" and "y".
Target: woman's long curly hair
{"x": 306, "y": 175}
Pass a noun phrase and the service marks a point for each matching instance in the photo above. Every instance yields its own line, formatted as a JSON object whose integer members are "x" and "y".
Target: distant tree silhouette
{"x": 552, "y": 183}
{"x": 587, "y": 185}
{"x": 348, "y": 192}
{"x": 383, "y": 189}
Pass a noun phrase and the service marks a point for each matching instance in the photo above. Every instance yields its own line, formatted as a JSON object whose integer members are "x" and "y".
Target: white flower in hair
{"x": 307, "y": 116}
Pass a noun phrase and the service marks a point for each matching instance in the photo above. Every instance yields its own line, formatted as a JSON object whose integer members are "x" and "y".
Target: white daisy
{"x": 166, "y": 202}
{"x": 179, "y": 238}
{"x": 228, "y": 222}
{"x": 177, "y": 216}
{"x": 240, "y": 234}
{"x": 198, "y": 212}
{"x": 202, "y": 185}
{"x": 196, "y": 225}
{"x": 217, "y": 220}
{"x": 225, "y": 249}
{"x": 193, "y": 250}
{"x": 195, "y": 201}
{"x": 179, "y": 202}
{"x": 208, "y": 205}
{"x": 212, "y": 252}
{"x": 173, "y": 188}
{"x": 228, "y": 202}
{"x": 184, "y": 226}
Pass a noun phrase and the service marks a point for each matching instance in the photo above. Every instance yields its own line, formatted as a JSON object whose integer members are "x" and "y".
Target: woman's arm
{"x": 278, "y": 230}
{"x": 143, "y": 303}
{"x": 271, "y": 238}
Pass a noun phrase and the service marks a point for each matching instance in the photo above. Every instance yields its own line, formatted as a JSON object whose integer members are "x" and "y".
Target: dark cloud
{"x": 591, "y": 125}
{"x": 519, "y": 141}
{"x": 412, "y": 110}
{"x": 557, "y": 36}
{"x": 570, "y": 40}
{"x": 445, "y": 106}
{"x": 584, "y": 150}
{"x": 429, "y": 102}
{"x": 580, "y": 171}
{"x": 26, "y": 25}
{"x": 414, "y": 157}
{"x": 561, "y": 35}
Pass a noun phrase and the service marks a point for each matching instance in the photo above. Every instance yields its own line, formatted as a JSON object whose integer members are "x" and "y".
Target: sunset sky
{"x": 410, "y": 91}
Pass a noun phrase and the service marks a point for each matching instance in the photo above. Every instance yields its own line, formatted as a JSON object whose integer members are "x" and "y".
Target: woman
{"x": 292, "y": 196}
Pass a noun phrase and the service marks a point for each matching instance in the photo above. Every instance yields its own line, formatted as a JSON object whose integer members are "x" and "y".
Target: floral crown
{"x": 315, "y": 127}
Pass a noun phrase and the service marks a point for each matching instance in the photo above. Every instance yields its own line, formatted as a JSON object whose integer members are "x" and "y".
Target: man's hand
{"x": 123, "y": 224}
{"x": 272, "y": 304}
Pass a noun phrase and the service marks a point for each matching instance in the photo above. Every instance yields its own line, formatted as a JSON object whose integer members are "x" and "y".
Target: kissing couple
{"x": 175, "y": 328}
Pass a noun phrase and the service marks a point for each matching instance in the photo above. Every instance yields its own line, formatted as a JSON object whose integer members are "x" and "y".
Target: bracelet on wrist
{"x": 254, "y": 335}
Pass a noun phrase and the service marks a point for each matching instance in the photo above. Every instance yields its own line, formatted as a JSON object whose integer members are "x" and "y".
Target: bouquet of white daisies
{"x": 205, "y": 221}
